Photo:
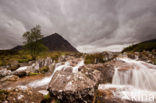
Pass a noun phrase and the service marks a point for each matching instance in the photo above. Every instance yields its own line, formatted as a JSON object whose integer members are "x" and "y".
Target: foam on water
{"x": 141, "y": 75}
{"x": 75, "y": 69}
{"x": 44, "y": 92}
{"x": 136, "y": 83}
{"x": 128, "y": 92}
{"x": 46, "y": 80}
{"x": 22, "y": 68}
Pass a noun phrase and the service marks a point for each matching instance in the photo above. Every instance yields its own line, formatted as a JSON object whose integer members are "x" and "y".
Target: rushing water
{"x": 141, "y": 75}
{"x": 136, "y": 83}
{"x": 46, "y": 80}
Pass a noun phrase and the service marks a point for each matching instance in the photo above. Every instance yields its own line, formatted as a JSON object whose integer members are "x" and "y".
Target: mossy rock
{"x": 47, "y": 99}
{"x": 44, "y": 69}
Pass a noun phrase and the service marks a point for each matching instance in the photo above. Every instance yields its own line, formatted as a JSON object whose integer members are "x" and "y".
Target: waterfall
{"x": 134, "y": 81}
{"x": 141, "y": 75}
{"x": 45, "y": 81}
{"x": 75, "y": 69}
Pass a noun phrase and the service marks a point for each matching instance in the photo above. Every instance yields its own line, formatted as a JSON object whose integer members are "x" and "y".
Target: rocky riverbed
{"x": 70, "y": 80}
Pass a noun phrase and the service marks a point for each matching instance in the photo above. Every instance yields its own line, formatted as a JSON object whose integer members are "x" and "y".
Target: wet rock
{"x": 68, "y": 69}
{"x": 9, "y": 78}
{"x": 22, "y": 71}
{"x": 20, "y": 95}
{"x": 100, "y": 57}
{"x": 91, "y": 73}
{"x": 4, "y": 72}
{"x": 42, "y": 66}
{"x": 39, "y": 64}
{"x": 52, "y": 67}
{"x": 14, "y": 65}
{"x": 72, "y": 87}
{"x": 43, "y": 62}
{"x": 146, "y": 56}
{"x": 106, "y": 95}
{"x": 102, "y": 73}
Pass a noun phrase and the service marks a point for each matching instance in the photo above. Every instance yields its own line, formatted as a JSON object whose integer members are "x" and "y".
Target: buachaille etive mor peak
{"x": 56, "y": 42}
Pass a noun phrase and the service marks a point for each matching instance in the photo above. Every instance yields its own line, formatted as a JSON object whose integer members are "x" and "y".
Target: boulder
{"x": 52, "y": 67}
{"x": 9, "y": 78}
{"x": 4, "y": 72}
{"x": 14, "y": 65}
{"x": 71, "y": 87}
{"x": 20, "y": 94}
{"x": 22, "y": 71}
{"x": 68, "y": 69}
{"x": 35, "y": 67}
{"x": 40, "y": 63}
{"x": 102, "y": 73}
{"x": 91, "y": 73}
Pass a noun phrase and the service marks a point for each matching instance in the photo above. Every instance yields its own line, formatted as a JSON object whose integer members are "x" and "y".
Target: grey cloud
{"x": 95, "y": 23}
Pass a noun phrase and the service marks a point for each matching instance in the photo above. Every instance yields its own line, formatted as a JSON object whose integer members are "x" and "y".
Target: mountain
{"x": 56, "y": 42}
{"x": 16, "y": 48}
{"x": 148, "y": 45}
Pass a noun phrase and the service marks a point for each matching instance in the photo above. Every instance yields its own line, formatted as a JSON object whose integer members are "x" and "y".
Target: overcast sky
{"x": 89, "y": 25}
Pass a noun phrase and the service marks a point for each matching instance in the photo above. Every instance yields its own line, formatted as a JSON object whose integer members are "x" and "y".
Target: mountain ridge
{"x": 54, "y": 42}
{"x": 147, "y": 45}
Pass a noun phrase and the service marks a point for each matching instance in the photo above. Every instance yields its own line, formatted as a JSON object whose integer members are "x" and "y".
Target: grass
{"x": 24, "y": 56}
{"x": 144, "y": 46}
{"x": 48, "y": 99}
{"x": 32, "y": 74}
{"x": 96, "y": 58}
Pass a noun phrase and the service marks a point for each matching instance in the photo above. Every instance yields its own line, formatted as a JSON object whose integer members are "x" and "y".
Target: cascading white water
{"x": 135, "y": 82}
{"x": 141, "y": 75}
{"x": 75, "y": 69}
{"x": 46, "y": 80}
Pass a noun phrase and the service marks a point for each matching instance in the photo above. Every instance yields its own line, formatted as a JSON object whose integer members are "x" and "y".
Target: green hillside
{"x": 146, "y": 45}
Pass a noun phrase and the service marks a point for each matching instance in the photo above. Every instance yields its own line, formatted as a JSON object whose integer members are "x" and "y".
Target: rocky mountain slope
{"x": 54, "y": 42}
{"x": 148, "y": 45}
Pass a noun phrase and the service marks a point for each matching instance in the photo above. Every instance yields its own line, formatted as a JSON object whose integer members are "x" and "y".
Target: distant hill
{"x": 56, "y": 42}
{"x": 148, "y": 45}
{"x": 17, "y": 48}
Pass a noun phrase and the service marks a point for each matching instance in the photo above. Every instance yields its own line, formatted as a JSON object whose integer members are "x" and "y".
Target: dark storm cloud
{"x": 85, "y": 23}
